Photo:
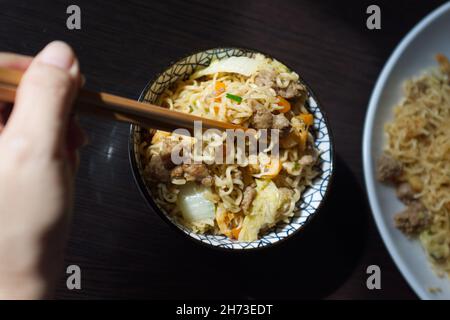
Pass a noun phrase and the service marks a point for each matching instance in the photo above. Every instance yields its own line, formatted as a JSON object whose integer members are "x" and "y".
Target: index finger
{"x": 14, "y": 61}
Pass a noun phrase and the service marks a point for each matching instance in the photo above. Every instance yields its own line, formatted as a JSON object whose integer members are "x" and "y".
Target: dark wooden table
{"x": 123, "y": 248}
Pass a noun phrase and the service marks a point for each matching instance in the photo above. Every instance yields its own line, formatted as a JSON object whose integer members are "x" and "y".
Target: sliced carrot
{"x": 216, "y": 109}
{"x": 284, "y": 103}
{"x": 307, "y": 118}
{"x": 235, "y": 232}
{"x": 219, "y": 88}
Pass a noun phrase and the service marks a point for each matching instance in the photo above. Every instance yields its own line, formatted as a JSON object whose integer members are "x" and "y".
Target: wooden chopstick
{"x": 120, "y": 108}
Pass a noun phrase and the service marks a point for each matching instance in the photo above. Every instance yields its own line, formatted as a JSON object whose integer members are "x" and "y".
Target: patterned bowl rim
{"x": 149, "y": 198}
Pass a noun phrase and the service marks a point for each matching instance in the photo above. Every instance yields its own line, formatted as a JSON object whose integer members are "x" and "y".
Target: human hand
{"x": 39, "y": 139}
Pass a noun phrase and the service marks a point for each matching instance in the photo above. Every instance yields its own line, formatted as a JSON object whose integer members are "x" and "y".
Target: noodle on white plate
{"x": 419, "y": 141}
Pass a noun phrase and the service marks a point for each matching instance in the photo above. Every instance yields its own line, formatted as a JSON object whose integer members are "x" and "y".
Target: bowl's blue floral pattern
{"x": 312, "y": 196}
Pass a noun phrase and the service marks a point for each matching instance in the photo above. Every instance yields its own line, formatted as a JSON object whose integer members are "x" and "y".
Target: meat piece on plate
{"x": 168, "y": 146}
{"x": 405, "y": 192}
{"x": 294, "y": 89}
{"x": 157, "y": 170}
{"x": 280, "y": 122}
{"x": 262, "y": 118}
{"x": 388, "y": 169}
{"x": 413, "y": 219}
{"x": 177, "y": 172}
{"x": 266, "y": 78}
{"x": 196, "y": 171}
{"x": 247, "y": 199}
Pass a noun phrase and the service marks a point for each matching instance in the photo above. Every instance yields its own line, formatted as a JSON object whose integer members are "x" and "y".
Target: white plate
{"x": 411, "y": 57}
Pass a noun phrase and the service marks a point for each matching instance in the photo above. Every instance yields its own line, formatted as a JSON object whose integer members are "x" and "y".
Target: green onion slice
{"x": 233, "y": 97}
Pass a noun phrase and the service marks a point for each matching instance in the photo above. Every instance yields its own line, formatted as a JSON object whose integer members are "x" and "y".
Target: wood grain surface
{"x": 123, "y": 248}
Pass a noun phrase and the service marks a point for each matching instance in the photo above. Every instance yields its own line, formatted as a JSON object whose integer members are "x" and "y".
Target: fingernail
{"x": 58, "y": 54}
{"x": 74, "y": 70}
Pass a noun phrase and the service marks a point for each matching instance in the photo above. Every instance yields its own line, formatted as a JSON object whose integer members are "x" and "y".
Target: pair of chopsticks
{"x": 119, "y": 108}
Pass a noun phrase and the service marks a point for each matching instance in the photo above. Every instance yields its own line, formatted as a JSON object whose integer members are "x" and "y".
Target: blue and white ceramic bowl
{"x": 313, "y": 196}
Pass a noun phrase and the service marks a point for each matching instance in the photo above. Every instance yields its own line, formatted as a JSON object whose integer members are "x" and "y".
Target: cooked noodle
{"x": 419, "y": 138}
{"x": 229, "y": 181}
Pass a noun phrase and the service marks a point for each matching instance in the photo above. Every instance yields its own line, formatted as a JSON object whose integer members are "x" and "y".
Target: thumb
{"x": 44, "y": 99}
